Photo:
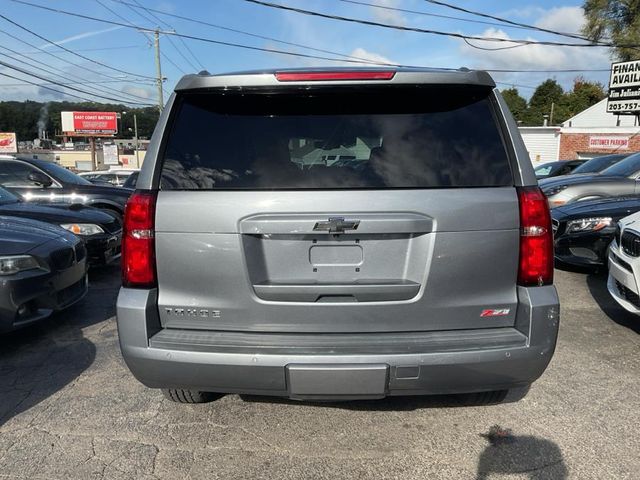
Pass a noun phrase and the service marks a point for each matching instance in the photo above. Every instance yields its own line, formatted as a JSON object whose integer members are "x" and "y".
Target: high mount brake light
{"x": 327, "y": 76}
{"x": 536, "y": 239}
{"x": 138, "y": 245}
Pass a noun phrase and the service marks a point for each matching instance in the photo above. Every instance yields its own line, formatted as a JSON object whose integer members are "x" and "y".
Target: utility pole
{"x": 553, "y": 104}
{"x": 135, "y": 132}
{"x": 156, "y": 42}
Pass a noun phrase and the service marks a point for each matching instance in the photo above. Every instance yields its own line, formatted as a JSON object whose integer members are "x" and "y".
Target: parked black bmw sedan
{"x": 41, "y": 181}
{"x": 42, "y": 269}
{"x": 584, "y": 230}
{"x": 101, "y": 231}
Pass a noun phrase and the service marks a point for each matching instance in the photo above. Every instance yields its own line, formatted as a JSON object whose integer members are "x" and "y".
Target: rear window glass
{"x": 354, "y": 138}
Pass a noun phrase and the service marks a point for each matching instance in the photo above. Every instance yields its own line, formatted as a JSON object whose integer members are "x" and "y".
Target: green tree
{"x": 548, "y": 93}
{"x": 583, "y": 95}
{"x": 617, "y": 20}
{"x": 517, "y": 104}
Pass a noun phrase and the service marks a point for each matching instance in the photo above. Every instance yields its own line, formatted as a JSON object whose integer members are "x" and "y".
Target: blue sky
{"x": 129, "y": 50}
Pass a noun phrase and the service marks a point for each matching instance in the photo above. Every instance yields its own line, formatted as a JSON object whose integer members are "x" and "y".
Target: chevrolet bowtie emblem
{"x": 336, "y": 225}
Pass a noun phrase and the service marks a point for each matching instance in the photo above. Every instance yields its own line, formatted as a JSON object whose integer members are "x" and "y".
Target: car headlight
{"x": 589, "y": 224}
{"x": 17, "y": 263}
{"x": 554, "y": 190}
{"x": 83, "y": 228}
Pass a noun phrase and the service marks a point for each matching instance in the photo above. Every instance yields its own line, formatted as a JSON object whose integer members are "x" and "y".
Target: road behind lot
{"x": 70, "y": 409}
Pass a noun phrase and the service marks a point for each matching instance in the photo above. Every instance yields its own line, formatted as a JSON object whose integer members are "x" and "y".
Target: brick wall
{"x": 572, "y": 143}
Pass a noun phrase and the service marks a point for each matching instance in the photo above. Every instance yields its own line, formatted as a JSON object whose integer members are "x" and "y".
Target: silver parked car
{"x": 337, "y": 234}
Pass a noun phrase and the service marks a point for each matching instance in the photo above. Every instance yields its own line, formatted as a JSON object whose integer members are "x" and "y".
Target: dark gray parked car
{"x": 623, "y": 178}
{"x": 337, "y": 234}
{"x": 43, "y": 268}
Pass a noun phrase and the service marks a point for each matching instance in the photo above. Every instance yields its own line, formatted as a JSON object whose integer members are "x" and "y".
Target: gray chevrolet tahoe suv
{"x": 337, "y": 234}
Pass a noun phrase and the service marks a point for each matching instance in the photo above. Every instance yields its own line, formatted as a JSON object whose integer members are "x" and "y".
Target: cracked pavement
{"x": 69, "y": 408}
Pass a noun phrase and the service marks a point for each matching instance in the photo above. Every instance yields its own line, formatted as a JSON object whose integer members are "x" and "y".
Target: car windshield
{"x": 544, "y": 170}
{"x": 7, "y": 197}
{"x": 61, "y": 173}
{"x": 625, "y": 168}
{"x": 598, "y": 164}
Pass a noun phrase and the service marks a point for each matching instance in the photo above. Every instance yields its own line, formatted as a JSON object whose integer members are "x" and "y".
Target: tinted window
{"x": 544, "y": 169}
{"x": 61, "y": 173}
{"x": 360, "y": 138}
{"x": 16, "y": 174}
{"x": 598, "y": 164}
{"x": 131, "y": 181}
{"x": 625, "y": 168}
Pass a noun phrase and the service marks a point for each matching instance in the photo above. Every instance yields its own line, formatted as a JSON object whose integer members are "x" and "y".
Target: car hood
{"x": 615, "y": 207}
{"x": 57, "y": 213}
{"x": 19, "y": 236}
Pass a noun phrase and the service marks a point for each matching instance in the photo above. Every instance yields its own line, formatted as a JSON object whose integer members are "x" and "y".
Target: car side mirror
{"x": 40, "y": 179}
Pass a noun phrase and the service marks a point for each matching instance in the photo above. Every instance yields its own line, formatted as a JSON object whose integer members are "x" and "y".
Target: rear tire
{"x": 179, "y": 395}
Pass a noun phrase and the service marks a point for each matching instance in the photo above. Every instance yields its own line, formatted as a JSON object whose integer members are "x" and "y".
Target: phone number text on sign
{"x": 622, "y": 106}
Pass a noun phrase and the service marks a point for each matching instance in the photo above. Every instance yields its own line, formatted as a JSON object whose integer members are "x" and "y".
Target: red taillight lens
{"x": 320, "y": 76}
{"x": 536, "y": 238}
{"x": 138, "y": 247}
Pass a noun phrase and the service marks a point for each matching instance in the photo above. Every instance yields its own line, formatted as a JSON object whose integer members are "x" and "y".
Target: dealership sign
{"x": 8, "y": 143}
{"x": 609, "y": 142}
{"x": 624, "y": 88}
{"x": 100, "y": 123}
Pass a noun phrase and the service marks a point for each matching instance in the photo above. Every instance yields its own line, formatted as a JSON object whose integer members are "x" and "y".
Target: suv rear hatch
{"x": 365, "y": 207}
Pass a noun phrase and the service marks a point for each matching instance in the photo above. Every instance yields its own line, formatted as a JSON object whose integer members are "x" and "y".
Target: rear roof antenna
{"x": 204, "y": 72}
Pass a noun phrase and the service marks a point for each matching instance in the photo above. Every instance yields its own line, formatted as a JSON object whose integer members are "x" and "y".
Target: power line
{"x": 255, "y": 35}
{"x": 47, "y": 88}
{"x": 48, "y": 80}
{"x": 423, "y": 30}
{"x": 88, "y": 82}
{"x": 71, "y": 51}
{"x": 504, "y": 20}
{"x": 184, "y": 44}
{"x": 120, "y": 47}
{"x": 131, "y": 95}
{"x": 285, "y": 52}
{"x": 436, "y": 15}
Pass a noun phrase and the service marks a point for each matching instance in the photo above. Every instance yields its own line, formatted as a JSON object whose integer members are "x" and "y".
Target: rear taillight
{"x": 339, "y": 75}
{"x": 536, "y": 238}
{"x": 138, "y": 247}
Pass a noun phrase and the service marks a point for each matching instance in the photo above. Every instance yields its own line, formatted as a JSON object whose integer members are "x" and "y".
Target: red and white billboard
{"x": 8, "y": 142}
{"x": 102, "y": 123}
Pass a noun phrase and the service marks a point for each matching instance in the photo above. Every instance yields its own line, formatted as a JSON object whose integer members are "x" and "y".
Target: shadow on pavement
{"x": 387, "y": 404}
{"x": 597, "y": 284}
{"x": 40, "y": 360}
{"x": 519, "y": 455}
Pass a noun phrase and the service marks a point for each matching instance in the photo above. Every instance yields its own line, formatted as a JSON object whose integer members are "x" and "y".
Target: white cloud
{"x": 139, "y": 91}
{"x": 562, "y": 19}
{"x": 371, "y": 56}
{"x": 385, "y": 15}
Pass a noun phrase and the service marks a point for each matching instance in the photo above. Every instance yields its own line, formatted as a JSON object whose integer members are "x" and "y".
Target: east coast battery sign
{"x": 624, "y": 88}
{"x": 89, "y": 123}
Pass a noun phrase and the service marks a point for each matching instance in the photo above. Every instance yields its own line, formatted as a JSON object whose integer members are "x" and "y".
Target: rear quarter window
{"x": 335, "y": 139}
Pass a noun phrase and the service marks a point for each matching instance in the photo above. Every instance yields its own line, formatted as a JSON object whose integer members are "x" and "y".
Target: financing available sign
{"x": 87, "y": 123}
{"x": 624, "y": 88}
{"x": 8, "y": 143}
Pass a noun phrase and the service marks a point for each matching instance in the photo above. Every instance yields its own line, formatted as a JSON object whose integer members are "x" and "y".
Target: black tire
{"x": 189, "y": 396}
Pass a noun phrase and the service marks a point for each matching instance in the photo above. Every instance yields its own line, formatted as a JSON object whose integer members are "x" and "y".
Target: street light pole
{"x": 135, "y": 132}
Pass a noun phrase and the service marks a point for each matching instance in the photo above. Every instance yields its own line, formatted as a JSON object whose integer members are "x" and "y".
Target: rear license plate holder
{"x": 331, "y": 381}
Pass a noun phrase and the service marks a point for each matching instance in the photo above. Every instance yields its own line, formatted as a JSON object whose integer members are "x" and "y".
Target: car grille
{"x": 63, "y": 258}
{"x": 628, "y": 295}
{"x": 618, "y": 234}
{"x": 557, "y": 227}
{"x": 630, "y": 243}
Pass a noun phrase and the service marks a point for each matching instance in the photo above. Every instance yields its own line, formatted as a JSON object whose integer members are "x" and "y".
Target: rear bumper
{"x": 439, "y": 362}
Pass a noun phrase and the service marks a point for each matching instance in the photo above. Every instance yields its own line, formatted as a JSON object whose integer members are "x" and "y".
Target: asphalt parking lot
{"x": 69, "y": 408}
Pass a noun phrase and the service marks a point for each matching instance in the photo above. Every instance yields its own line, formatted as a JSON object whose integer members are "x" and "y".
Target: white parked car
{"x": 624, "y": 264}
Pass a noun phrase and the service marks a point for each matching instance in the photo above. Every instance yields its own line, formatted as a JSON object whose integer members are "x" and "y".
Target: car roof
{"x": 267, "y": 77}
